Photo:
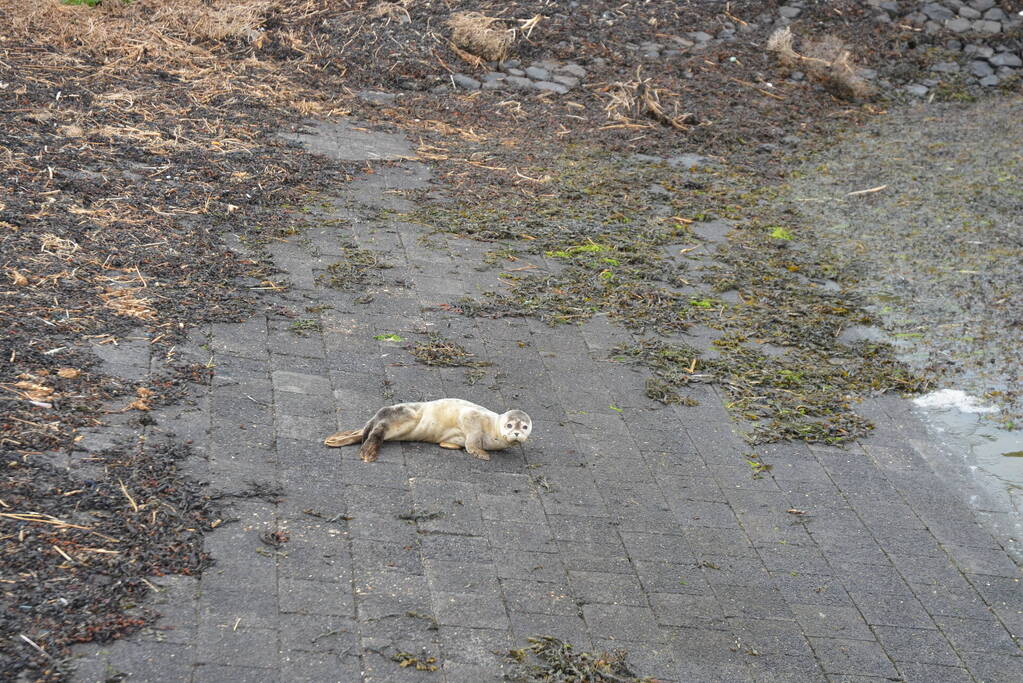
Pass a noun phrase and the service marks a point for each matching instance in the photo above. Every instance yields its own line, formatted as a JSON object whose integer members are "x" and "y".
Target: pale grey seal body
{"x": 450, "y": 422}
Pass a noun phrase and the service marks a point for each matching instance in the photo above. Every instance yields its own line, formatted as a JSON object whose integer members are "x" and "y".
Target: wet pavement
{"x": 621, "y": 524}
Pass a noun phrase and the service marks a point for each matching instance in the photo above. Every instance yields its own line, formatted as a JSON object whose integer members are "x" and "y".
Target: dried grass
{"x": 392, "y": 11}
{"x": 167, "y": 29}
{"x": 634, "y": 100}
{"x": 827, "y": 61}
{"x": 476, "y": 34}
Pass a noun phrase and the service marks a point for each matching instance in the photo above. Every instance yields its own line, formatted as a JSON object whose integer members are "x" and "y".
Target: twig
{"x": 873, "y": 189}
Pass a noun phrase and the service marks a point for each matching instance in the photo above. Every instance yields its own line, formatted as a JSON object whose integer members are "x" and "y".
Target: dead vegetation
{"x": 828, "y": 61}
{"x": 632, "y": 101}
{"x": 167, "y": 29}
{"x": 481, "y": 35}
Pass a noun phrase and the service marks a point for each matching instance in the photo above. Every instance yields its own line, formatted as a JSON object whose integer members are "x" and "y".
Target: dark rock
{"x": 518, "y": 82}
{"x": 550, "y": 86}
{"x": 890, "y": 7}
{"x": 567, "y": 81}
{"x": 982, "y": 5}
{"x": 937, "y": 12}
{"x": 916, "y": 89}
{"x": 572, "y": 70}
{"x": 466, "y": 82}
{"x": 493, "y": 76}
{"x": 969, "y": 13}
{"x": 985, "y": 26}
{"x": 510, "y": 64}
{"x": 990, "y": 81}
{"x": 516, "y": 72}
{"x": 380, "y": 99}
{"x": 700, "y": 36}
{"x": 946, "y": 68}
{"x": 538, "y": 73}
{"x": 980, "y": 68}
{"x": 959, "y": 25}
{"x": 1005, "y": 59}
{"x": 789, "y": 12}
{"x": 995, "y": 14}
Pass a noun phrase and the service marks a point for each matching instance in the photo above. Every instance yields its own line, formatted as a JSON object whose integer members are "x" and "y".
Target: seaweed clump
{"x": 439, "y": 352}
{"x": 801, "y": 395}
{"x": 357, "y": 269}
{"x": 548, "y": 659}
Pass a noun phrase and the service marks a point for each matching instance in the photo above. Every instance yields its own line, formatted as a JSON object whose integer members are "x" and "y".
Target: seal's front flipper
{"x": 478, "y": 453}
{"x": 343, "y": 438}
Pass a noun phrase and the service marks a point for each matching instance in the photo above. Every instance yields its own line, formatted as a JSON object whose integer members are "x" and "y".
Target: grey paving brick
{"x": 978, "y": 635}
{"x": 853, "y": 657}
{"x": 220, "y": 673}
{"x": 988, "y": 666}
{"x": 568, "y": 627}
{"x": 456, "y": 548}
{"x": 654, "y": 660}
{"x": 756, "y": 602}
{"x": 832, "y": 621}
{"x": 721, "y": 570}
{"x": 301, "y": 383}
{"x": 615, "y": 589}
{"x": 914, "y": 672}
{"x": 248, "y": 647}
{"x": 513, "y": 535}
{"x": 772, "y": 636}
{"x": 667, "y": 577}
{"x": 470, "y": 610}
{"x": 923, "y": 646}
{"x": 892, "y": 610}
{"x": 316, "y": 633}
{"x": 328, "y": 667}
{"x": 315, "y": 597}
{"x": 483, "y": 647}
{"x": 771, "y": 668}
{"x": 825, "y": 589}
{"x": 538, "y": 596}
{"x": 658, "y": 547}
{"x": 462, "y": 577}
{"x": 622, "y": 622}
{"x": 688, "y": 610}
{"x": 512, "y": 564}
{"x": 594, "y": 557}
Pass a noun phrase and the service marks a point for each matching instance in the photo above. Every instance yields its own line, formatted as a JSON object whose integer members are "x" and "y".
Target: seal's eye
{"x": 525, "y": 428}
{"x": 509, "y": 425}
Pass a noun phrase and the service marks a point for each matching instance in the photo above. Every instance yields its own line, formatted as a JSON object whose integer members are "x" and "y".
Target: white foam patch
{"x": 953, "y": 398}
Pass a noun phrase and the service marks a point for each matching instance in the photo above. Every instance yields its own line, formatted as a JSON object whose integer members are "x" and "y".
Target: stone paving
{"x": 621, "y": 524}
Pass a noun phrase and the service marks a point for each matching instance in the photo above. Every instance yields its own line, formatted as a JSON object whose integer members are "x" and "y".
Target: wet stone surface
{"x": 622, "y": 525}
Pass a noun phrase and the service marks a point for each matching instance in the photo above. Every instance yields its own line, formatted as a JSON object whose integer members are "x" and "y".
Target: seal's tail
{"x": 344, "y": 438}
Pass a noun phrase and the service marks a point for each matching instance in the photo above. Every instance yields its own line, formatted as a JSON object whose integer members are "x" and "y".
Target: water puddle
{"x": 961, "y": 422}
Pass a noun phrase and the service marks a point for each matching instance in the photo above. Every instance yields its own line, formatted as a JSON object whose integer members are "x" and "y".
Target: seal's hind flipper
{"x": 343, "y": 438}
{"x": 370, "y": 450}
{"x": 450, "y": 446}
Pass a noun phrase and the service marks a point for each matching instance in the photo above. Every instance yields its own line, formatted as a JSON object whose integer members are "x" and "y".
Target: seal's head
{"x": 514, "y": 426}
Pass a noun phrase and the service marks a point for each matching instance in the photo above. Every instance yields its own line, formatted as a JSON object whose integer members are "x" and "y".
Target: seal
{"x": 449, "y": 422}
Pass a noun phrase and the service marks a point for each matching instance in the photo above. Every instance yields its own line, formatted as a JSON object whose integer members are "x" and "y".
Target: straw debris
{"x": 827, "y": 61}
{"x": 477, "y": 34}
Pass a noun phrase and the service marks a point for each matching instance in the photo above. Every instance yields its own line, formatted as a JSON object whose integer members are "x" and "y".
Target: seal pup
{"x": 449, "y": 422}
